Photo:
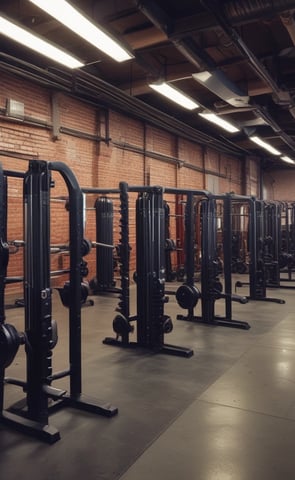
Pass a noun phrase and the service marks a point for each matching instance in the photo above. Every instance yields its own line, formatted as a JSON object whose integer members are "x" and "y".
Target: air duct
{"x": 238, "y": 11}
{"x": 225, "y": 13}
{"x": 217, "y": 82}
{"x": 279, "y": 96}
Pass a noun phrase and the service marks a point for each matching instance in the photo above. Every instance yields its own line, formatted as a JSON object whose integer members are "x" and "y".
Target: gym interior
{"x": 147, "y": 255}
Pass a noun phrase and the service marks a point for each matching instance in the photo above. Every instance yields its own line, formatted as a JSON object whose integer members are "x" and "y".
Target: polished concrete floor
{"x": 226, "y": 413}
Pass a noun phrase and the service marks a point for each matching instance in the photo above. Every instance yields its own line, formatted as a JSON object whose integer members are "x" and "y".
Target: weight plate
{"x": 187, "y": 296}
{"x": 9, "y": 343}
{"x": 121, "y": 324}
{"x": 167, "y": 324}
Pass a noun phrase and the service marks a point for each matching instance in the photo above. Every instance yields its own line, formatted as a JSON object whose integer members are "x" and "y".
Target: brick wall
{"x": 279, "y": 185}
{"x": 252, "y": 177}
{"x": 136, "y": 153}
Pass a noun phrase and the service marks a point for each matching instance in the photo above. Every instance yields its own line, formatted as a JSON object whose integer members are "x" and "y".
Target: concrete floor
{"x": 226, "y": 413}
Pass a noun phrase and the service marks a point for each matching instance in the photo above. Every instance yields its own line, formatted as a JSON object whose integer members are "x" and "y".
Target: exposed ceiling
{"x": 248, "y": 46}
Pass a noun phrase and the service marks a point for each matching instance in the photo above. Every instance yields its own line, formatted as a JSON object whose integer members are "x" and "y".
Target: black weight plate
{"x": 187, "y": 296}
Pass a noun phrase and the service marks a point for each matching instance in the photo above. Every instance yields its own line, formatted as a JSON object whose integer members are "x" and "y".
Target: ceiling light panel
{"x": 24, "y": 37}
{"x": 175, "y": 95}
{"x": 287, "y": 159}
{"x": 79, "y": 24}
{"x": 265, "y": 145}
{"x": 211, "y": 117}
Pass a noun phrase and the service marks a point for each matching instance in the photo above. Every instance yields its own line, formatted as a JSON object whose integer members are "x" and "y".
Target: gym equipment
{"x": 151, "y": 322}
{"x": 4, "y": 257}
{"x": 270, "y": 243}
{"x": 104, "y": 280}
{"x": 56, "y": 248}
{"x": 63, "y": 291}
{"x": 180, "y": 215}
{"x": 263, "y": 266}
{"x": 287, "y": 242}
{"x": 170, "y": 246}
{"x": 240, "y": 240}
{"x": 106, "y": 252}
{"x": 283, "y": 243}
{"x": 286, "y": 245}
{"x": 31, "y": 415}
{"x": 211, "y": 287}
{"x": 10, "y": 340}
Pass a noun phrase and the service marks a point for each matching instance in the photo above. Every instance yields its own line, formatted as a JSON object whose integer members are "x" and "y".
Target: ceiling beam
{"x": 145, "y": 37}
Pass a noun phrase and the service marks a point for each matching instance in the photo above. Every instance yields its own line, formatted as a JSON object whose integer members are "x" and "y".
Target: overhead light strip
{"x": 24, "y": 37}
{"x": 265, "y": 145}
{"x": 287, "y": 159}
{"x": 211, "y": 117}
{"x": 175, "y": 95}
{"x": 79, "y": 24}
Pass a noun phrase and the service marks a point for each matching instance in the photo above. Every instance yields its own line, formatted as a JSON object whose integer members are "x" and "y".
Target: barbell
{"x": 60, "y": 247}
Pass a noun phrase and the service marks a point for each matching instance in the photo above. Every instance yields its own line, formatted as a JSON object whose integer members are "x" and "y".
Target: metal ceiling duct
{"x": 217, "y": 11}
{"x": 234, "y": 10}
{"x": 217, "y": 82}
{"x": 279, "y": 96}
{"x": 287, "y": 19}
{"x": 238, "y": 11}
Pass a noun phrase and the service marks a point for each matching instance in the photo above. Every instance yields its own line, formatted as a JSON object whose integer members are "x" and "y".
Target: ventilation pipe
{"x": 287, "y": 19}
{"x": 235, "y": 11}
{"x": 280, "y": 96}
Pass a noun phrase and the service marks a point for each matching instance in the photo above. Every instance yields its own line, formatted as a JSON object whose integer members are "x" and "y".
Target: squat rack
{"x": 188, "y": 294}
{"x": 31, "y": 414}
{"x": 151, "y": 322}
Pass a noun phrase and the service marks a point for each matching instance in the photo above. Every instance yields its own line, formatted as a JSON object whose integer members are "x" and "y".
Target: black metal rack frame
{"x": 31, "y": 414}
{"x": 263, "y": 252}
{"x": 211, "y": 286}
{"x": 151, "y": 322}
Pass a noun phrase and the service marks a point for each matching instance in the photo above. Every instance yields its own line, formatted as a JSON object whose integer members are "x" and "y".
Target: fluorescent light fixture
{"x": 175, "y": 95}
{"x": 211, "y": 117}
{"x": 79, "y": 24}
{"x": 265, "y": 145}
{"x": 33, "y": 42}
{"x": 287, "y": 159}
